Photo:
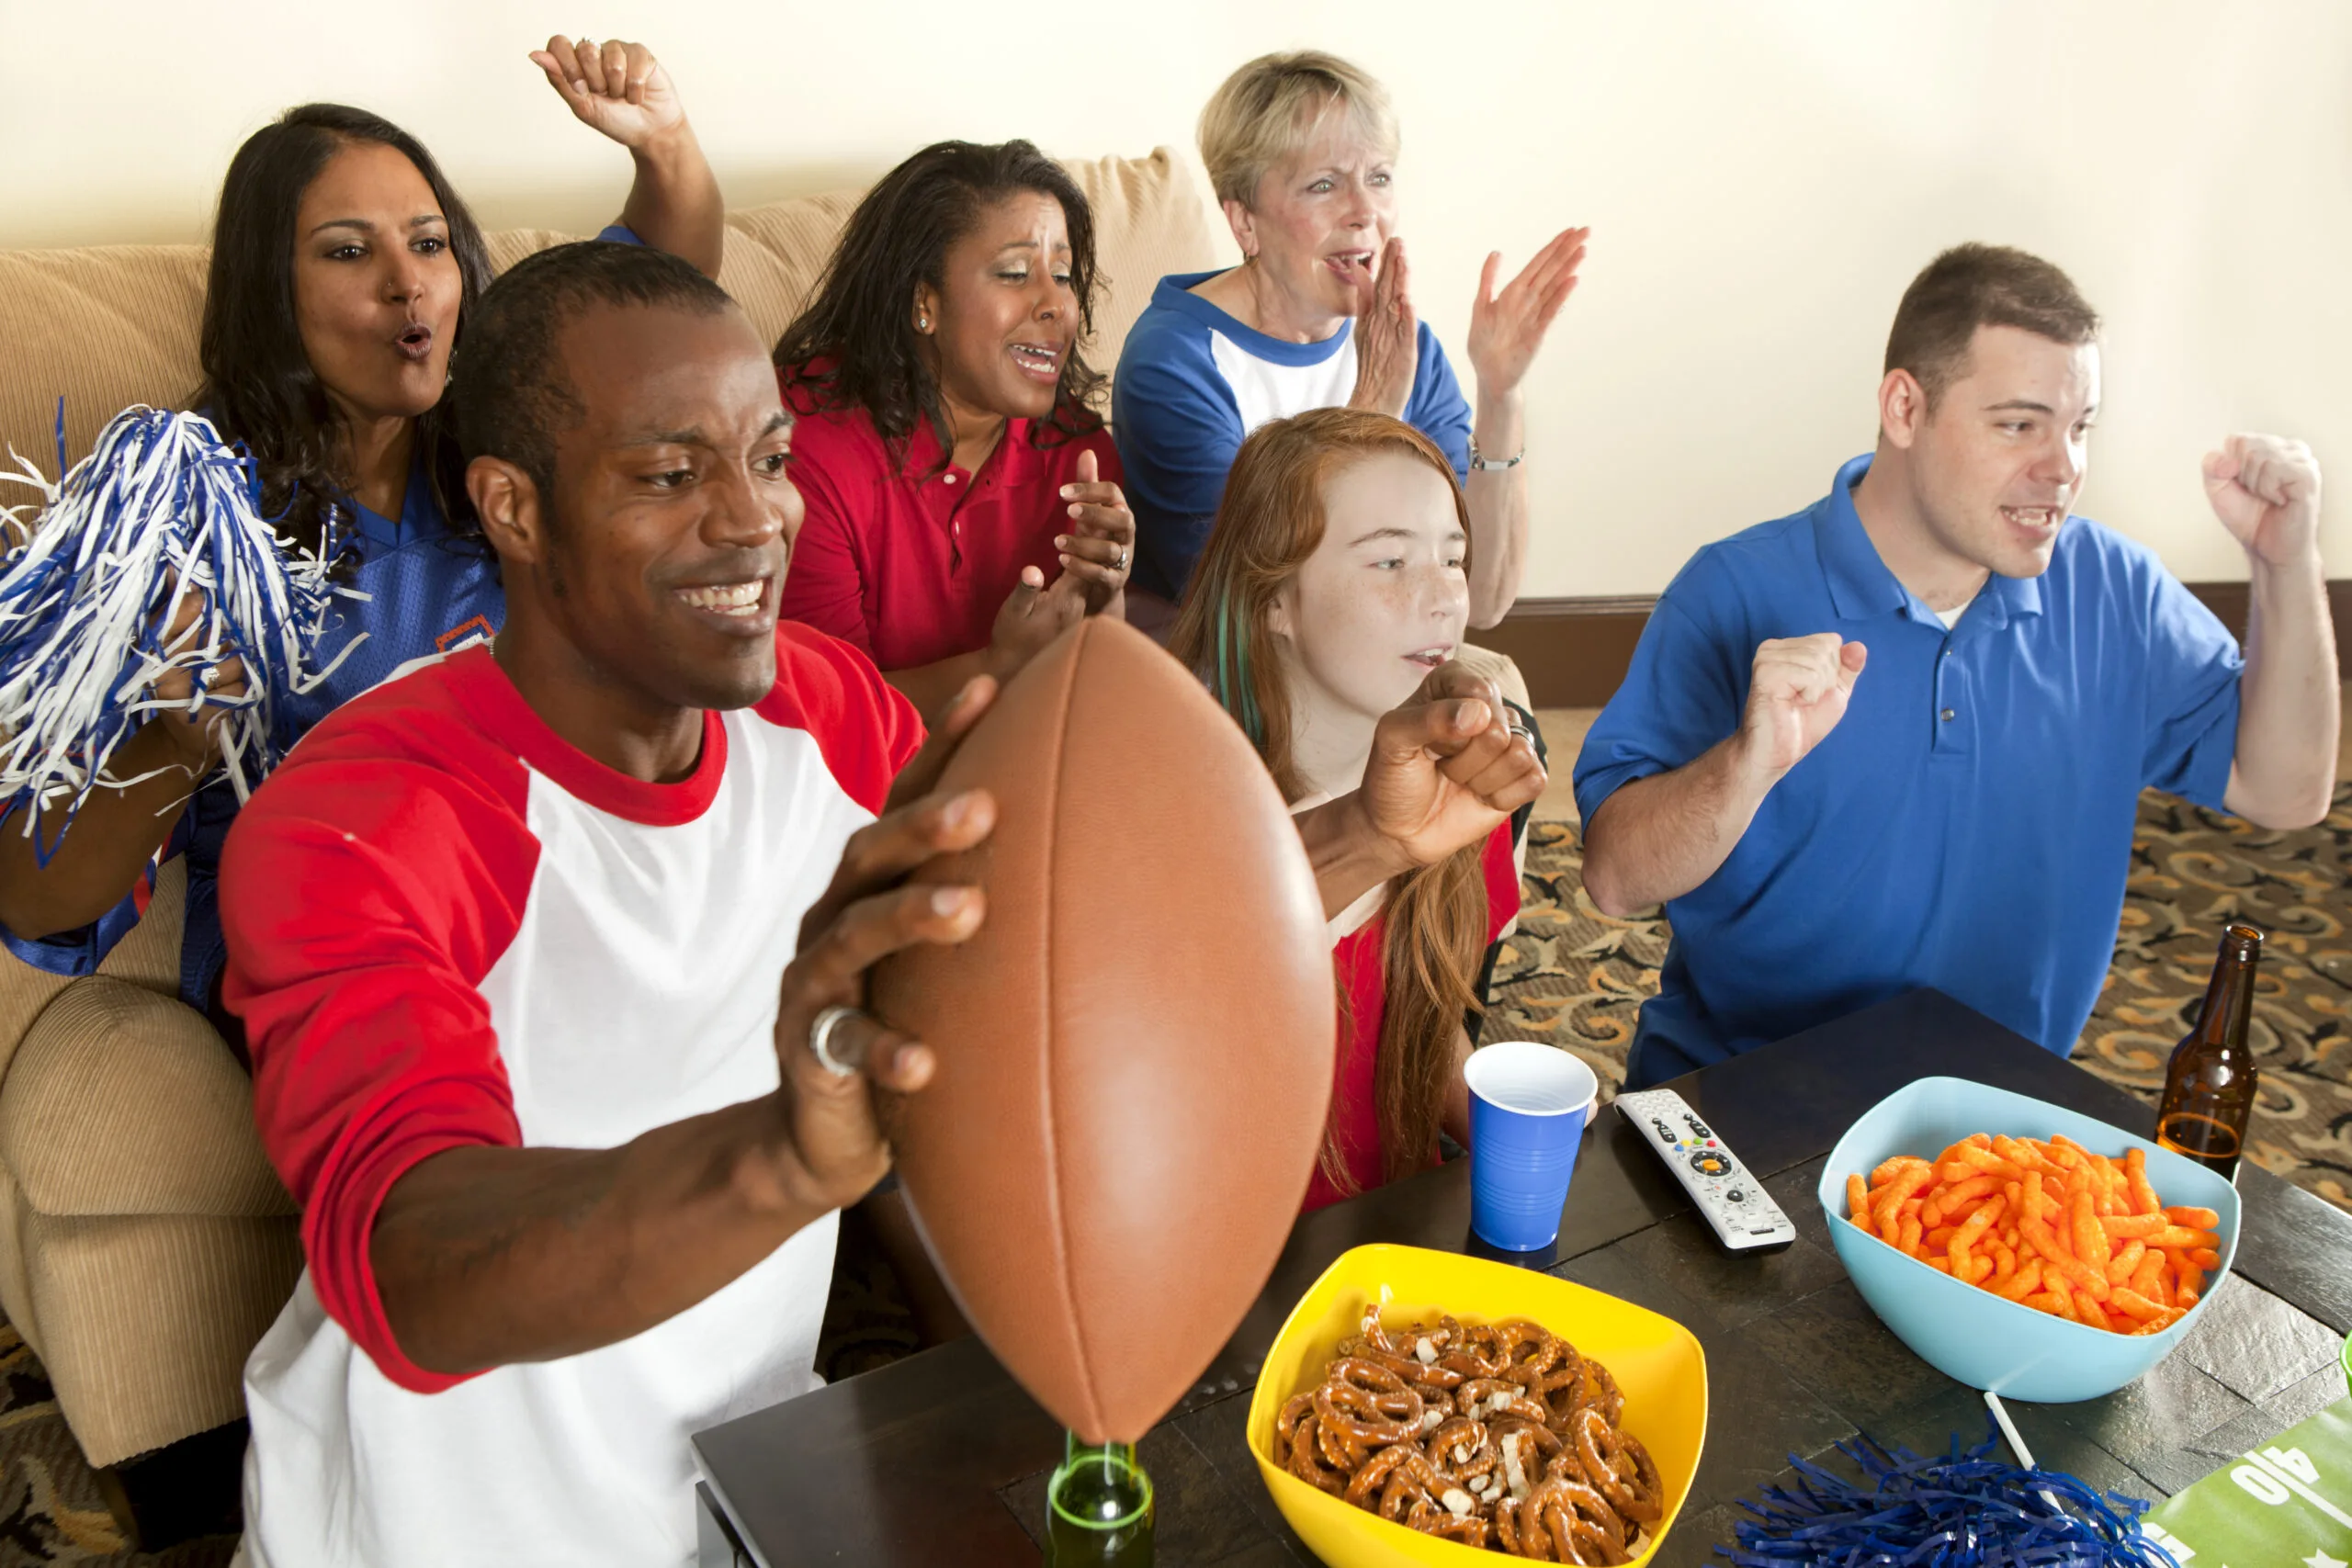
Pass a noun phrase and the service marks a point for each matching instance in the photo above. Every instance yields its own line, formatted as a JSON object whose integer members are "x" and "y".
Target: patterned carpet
{"x": 1575, "y": 977}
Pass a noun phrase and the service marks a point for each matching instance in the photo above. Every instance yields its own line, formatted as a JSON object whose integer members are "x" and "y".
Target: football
{"x": 1134, "y": 1052}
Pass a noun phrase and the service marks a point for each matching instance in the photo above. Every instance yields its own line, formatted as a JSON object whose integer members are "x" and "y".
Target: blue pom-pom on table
{"x": 1965, "y": 1510}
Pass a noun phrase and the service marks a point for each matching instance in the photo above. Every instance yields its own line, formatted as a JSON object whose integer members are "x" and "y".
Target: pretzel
{"x": 1595, "y": 1388}
{"x": 1500, "y": 1437}
{"x": 1484, "y": 1398}
{"x": 1305, "y": 1460}
{"x": 1437, "y": 1374}
{"x": 1527, "y": 1450}
{"x": 1365, "y": 1486}
{"x": 1573, "y": 1522}
{"x": 1334, "y": 1448}
{"x": 1620, "y": 1469}
{"x": 1411, "y": 1479}
{"x": 1531, "y": 1350}
{"x": 1477, "y": 1353}
{"x": 1461, "y": 1447}
{"x": 1468, "y": 1528}
{"x": 1367, "y": 1405}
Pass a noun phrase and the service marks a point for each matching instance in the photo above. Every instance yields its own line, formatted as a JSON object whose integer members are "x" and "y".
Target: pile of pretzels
{"x": 1500, "y": 1437}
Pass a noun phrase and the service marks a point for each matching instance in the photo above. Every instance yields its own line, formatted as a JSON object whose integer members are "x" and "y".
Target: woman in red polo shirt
{"x": 963, "y": 497}
{"x": 1334, "y": 581}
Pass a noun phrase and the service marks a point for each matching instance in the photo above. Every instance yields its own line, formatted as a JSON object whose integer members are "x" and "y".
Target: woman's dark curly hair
{"x": 854, "y": 345}
{"x": 258, "y": 385}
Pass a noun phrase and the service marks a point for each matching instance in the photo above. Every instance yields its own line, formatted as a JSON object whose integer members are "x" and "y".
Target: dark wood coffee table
{"x": 941, "y": 1459}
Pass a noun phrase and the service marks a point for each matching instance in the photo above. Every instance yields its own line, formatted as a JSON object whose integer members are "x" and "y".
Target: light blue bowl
{"x": 1968, "y": 1333}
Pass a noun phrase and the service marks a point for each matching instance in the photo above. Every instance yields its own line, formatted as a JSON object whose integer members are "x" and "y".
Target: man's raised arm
{"x": 2265, "y": 491}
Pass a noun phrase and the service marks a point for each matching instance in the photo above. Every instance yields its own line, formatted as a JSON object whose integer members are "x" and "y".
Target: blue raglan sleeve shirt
{"x": 1437, "y": 408}
{"x": 1178, "y": 429}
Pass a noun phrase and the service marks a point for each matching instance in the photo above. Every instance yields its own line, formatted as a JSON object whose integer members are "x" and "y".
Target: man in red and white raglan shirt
{"x": 549, "y": 956}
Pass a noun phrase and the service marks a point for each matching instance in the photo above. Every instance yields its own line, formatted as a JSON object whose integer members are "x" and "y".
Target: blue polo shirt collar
{"x": 1861, "y": 586}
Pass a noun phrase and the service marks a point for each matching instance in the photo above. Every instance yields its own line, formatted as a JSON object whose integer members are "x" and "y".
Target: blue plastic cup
{"x": 1529, "y": 1103}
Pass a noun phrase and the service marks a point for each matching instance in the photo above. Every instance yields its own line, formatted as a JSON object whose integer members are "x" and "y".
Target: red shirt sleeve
{"x": 364, "y": 893}
{"x": 865, "y": 727}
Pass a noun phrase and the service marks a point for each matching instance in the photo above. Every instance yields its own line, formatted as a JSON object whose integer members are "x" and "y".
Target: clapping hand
{"x": 1032, "y": 616}
{"x": 618, "y": 89}
{"x": 1388, "y": 335}
{"x": 2264, "y": 488}
{"x": 1506, "y": 328}
{"x": 1100, "y": 552}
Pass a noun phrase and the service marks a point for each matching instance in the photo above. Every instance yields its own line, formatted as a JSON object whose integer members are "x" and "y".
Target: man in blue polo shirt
{"x": 1898, "y": 739}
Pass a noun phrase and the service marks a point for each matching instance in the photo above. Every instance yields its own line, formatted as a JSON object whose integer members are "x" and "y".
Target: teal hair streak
{"x": 1233, "y": 689}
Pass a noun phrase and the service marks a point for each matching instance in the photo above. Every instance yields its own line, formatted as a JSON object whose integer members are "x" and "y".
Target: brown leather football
{"x": 1135, "y": 1051}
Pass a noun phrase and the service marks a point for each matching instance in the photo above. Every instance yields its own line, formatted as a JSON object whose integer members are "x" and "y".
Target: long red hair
{"x": 1270, "y": 520}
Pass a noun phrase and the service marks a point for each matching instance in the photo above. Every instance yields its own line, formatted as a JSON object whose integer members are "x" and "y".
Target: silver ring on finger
{"x": 820, "y": 1039}
{"x": 1120, "y": 564}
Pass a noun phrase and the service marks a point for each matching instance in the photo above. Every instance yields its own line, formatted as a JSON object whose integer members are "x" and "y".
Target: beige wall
{"x": 1762, "y": 180}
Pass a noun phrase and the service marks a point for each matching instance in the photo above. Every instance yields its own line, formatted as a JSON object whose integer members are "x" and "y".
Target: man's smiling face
{"x": 673, "y": 516}
{"x": 2001, "y": 459}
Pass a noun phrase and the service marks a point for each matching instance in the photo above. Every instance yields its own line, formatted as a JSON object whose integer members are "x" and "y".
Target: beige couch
{"x": 144, "y": 1242}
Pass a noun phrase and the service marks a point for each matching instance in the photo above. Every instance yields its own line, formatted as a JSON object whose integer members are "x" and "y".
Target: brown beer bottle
{"x": 2208, "y": 1088}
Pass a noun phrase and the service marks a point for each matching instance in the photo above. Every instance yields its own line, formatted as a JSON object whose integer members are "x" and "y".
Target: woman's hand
{"x": 194, "y": 738}
{"x": 1507, "y": 329}
{"x": 1388, "y": 336}
{"x": 1102, "y": 552}
{"x": 618, "y": 89}
{"x": 1032, "y": 616}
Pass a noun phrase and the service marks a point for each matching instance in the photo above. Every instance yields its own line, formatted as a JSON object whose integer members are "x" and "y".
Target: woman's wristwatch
{"x": 1486, "y": 465}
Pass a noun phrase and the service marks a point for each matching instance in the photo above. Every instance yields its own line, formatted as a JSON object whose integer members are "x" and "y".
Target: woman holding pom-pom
{"x": 343, "y": 266}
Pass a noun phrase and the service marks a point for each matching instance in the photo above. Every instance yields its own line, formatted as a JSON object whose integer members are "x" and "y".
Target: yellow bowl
{"x": 1656, "y": 1361}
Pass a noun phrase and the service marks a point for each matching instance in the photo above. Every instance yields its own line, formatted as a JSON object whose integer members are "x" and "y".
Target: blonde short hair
{"x": 1273, "y": 107}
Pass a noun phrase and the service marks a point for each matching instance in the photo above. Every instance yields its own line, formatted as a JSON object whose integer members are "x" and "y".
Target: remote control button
{"x": 1736, "y": 1196}
{"x": 1699, "y": 1127}
{"x": 1708, "y": 1163}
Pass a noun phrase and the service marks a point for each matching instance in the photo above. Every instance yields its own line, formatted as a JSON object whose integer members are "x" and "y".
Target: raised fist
{"x": 1796, "y": 696}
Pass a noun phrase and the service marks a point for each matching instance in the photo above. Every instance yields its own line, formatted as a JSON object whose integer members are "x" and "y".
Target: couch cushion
{"x": 120, "y": 1102}
{"x": 108, "y": 326}
{"x": 146, "y": 1323}
{"x": 147, "y": 956}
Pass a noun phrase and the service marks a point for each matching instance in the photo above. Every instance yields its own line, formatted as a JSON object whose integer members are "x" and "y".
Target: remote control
{"x": 1744, "y": 1216}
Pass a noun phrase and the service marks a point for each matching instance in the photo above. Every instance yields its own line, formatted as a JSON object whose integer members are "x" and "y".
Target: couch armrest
{"x": 120, "y": 1102}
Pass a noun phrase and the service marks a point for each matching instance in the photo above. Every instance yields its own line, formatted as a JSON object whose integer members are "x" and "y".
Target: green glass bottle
{"x": 1098, "y": 1508}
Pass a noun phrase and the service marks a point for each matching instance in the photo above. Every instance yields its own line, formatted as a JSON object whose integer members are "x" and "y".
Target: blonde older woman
{"x": 1301, "y": 149}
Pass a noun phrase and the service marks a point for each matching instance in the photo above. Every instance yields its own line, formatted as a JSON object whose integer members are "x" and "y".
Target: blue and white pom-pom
{"x": 162, "y": 507}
